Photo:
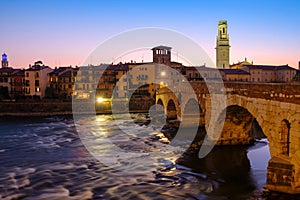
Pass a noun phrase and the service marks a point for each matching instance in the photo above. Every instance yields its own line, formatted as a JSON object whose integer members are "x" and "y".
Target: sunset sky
{"x": 62, "y": 33}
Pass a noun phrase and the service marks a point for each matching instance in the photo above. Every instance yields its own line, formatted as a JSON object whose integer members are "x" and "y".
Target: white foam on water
{"x": 68, "y": 166}
{"x": 61, "y": 193}
{"x": 58, "y": 193}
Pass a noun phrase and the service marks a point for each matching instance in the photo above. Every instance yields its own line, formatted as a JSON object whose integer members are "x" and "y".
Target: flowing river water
{"x": 44, "y": 158}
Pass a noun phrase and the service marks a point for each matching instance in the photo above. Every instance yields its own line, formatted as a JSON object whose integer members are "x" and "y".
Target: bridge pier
{"x": 281, "y": 176}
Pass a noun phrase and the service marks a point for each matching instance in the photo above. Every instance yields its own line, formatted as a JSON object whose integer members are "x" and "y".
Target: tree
{"x": 4, "y": 93}
{"x": 50, "y": 93}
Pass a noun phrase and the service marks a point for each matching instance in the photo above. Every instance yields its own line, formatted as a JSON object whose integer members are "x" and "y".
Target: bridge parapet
{"x": 269, "y": 91}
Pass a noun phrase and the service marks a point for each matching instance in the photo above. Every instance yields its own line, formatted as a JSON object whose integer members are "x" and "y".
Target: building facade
{"x": 237, "y": 75}
{"x": 17, "y": 84}
{"x": 270, "y": 73}
{"x": 61, "y": 82}
{"x": 5, "y": 80}
{"x": 36, "y": 80}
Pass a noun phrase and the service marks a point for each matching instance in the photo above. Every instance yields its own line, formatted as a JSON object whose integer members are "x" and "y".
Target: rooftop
{"x": 234, "y": 71}
{"x": 37, "y": 67}
{"x": 161, "y": 47}
{"x": 270, "y": 67}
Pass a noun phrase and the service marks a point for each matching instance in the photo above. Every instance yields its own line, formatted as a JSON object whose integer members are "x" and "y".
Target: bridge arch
{"x": 192, "y": 113}
{"x": 237, "y": 129}
{"x": 171, "y": 110}
{"x": 160, "y": 102}
{"x": 191, "y": 106}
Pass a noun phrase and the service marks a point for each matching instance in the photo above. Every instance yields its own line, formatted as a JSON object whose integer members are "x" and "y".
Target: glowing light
{"x": 100, "y": 119}
{"x": 100, "y": 99}
{"x": 163, "y": 73}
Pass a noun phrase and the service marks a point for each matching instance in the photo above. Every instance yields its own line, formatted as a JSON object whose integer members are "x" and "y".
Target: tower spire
{"x": 4, "y": 61}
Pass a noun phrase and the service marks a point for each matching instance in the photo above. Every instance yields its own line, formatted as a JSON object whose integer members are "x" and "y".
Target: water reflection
{"x": 229, "y": 166}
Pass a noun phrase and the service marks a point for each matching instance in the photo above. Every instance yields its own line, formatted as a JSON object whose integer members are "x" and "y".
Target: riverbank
{"x": 24, "y": 109}
{"x": 45, "y": 108}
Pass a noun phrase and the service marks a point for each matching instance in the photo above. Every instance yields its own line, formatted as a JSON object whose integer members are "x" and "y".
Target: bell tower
{"x": 222, "y": 48}
{"x": 4, "y": 61}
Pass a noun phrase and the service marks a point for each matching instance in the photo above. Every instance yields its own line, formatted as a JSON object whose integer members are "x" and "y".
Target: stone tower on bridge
{"x": 162, "y": 55}
{"x": 222, "y": 48}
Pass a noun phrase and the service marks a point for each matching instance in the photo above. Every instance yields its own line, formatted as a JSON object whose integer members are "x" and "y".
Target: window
{"x": 37, "y": 89}
{"x": 36, "y": 74}
{"x": 37, "y": 83}
{"x": 27, "y": 74}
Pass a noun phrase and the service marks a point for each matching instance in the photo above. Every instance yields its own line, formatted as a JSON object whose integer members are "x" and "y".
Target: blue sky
{"x": 65, "y": 32}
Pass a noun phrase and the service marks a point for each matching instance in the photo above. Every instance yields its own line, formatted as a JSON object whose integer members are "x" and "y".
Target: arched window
{"x": 285, "y": 136}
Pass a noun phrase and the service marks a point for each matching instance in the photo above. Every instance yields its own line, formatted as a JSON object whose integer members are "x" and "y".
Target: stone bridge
{"x": 274, "y": 107}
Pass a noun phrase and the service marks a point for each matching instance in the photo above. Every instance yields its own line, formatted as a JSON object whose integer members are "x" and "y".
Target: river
{"x": 44, "y": 158}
